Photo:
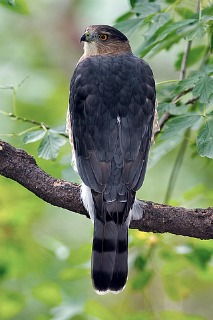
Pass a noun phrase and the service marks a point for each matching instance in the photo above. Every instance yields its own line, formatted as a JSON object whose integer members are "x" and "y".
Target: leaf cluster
{"x": 188, "y": 101}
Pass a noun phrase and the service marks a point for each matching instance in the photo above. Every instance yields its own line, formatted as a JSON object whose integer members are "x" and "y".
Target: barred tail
{"x": 109, "y": 256}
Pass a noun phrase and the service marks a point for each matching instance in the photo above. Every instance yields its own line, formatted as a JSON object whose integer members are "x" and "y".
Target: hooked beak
{"x": 85, "y": 37}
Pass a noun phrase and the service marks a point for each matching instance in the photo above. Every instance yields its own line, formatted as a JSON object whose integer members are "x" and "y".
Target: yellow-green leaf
{"x": 19, "y": 6}
{"x": 99, "y": 311}
{"x": 48, "y": 292}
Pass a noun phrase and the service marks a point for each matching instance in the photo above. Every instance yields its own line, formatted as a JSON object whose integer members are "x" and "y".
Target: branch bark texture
{"x": 19, "y": 166}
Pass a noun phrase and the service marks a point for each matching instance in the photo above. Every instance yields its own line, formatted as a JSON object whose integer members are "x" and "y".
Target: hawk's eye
{"x": 103, "y": 37}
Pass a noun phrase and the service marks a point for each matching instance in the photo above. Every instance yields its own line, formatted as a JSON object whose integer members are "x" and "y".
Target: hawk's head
{"x": 103, "y": 39}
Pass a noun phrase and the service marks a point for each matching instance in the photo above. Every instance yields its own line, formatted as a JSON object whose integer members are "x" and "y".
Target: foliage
{"x": 44, "y": 253}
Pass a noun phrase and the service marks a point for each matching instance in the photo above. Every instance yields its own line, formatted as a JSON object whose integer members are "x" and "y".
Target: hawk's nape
{"x": 111, "y": 113}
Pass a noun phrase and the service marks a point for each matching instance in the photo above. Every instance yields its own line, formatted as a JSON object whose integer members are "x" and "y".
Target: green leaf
{"x": 128, "y": 27}
{"x": 50, "y": 145}
{"x": 189, "y": 82}
{"x": 80, "y": 255}
{"x": 11, "y": 2}
{"x": 140, "y": 262}
{"x": 162, "y": 148}
{"x": 146, "y": 8}
{"x": 207, "y": 13}
{"x": 171, "y": 108}
{"x": 205, "y": 139}
{"x": 60, "y": 130}
{"x": 19, "y": 6}
{"x": 178, "y": 125}
{"x": 200, "y": 256}
{"x": 70, "y": 274}
{"x": 184, "y": 12}
{"x": 175, "y": 284}
{"x": 99, "y": 311}
{"x": 174, "y": 315}
{"x": 193, "y": 57}
{"x": 124, "y": 17}
{"x": 167, "y": 30}
{"x": 198, "y": 32}
{"x": 11, "y": 304}
{"x": 194, "y": 192}
{"x": 48, "y": 292}
{"x": 133, "y": 3}
{"x": 158, "y": 21}
{"x": 142, "y": 279}
{"x": 33, "y": 136}
{"x": 203, "y": 88}
{"x": 139, "y": 316}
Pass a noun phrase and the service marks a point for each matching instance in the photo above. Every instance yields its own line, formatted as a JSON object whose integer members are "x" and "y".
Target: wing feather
{"x": 112, "y": 106}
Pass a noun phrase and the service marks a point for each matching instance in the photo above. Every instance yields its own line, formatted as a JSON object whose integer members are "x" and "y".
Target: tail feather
{"x": 120, "y": 271}
{"x": 109, "y": 255}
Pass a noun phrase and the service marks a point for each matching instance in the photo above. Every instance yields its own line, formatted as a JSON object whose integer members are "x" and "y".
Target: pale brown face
{"x": 104, "y": 40}
{"x": 92, "y": 35}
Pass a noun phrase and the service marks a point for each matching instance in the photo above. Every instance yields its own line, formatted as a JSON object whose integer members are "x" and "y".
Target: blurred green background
{"x": 44, "y": 250}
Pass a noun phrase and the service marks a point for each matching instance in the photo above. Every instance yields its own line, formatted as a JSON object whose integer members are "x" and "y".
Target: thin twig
{"x": 176, "y": 167}
{"x": 184, "y": 61}
{"x": 37, "y": 123}
{"x": 181, "y": 153}
{"x": 166, "y": 115}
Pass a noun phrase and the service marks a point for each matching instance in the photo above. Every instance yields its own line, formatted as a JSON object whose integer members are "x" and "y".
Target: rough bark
{"x": 19, "y": 166}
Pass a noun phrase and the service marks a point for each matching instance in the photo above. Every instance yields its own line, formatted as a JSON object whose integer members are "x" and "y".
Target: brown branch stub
{"x": 19, "y": 166}
{"x": 197, "y": 223}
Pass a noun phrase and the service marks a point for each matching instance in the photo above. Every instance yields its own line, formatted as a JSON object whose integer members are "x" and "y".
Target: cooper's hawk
{"x": 110, "y": 122}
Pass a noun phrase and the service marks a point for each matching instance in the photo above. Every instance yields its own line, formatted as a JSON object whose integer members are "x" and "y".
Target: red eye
{"x": 103, "y": 37}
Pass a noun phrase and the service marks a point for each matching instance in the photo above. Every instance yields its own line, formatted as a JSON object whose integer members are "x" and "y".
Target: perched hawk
{"x": 110, "y": 123}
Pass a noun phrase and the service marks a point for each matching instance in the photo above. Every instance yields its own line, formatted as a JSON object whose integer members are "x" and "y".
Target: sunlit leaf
{"x": 50, "y": 145}
{"x": 205, "y": 139}
{"x": 175, "y": 315}
{"x": 11, "y": 304}
{"x": 139, "y": 316}
{"x": 176, "y": 285}
{"x": 203, "y": 88}
{"x": 74, "y": 273}
{"x": 80, "y": 255}
{"x": 48, "y": 292}
{"x": 184, "y": 12}
{"x": 97, "y": 310}
{"x": 33, "y": 136}
{"x": 196, "y": 191}
{"x": 79, "y": 317}
{"x": 19, "y": 6}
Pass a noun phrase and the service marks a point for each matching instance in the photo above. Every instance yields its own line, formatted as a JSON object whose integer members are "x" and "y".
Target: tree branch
{"x": 17, "y": 165}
